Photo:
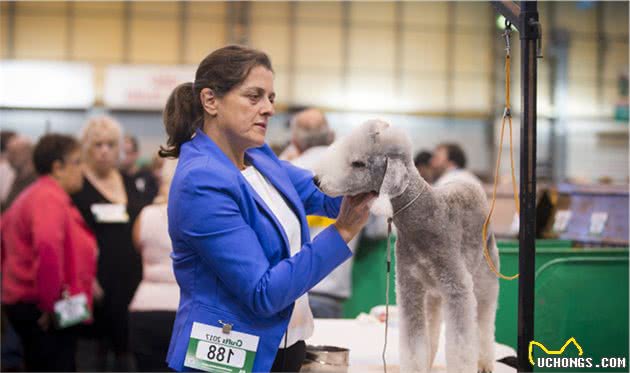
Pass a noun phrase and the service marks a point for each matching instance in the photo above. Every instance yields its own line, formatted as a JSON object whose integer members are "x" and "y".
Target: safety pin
{"x": 227, "y": 328}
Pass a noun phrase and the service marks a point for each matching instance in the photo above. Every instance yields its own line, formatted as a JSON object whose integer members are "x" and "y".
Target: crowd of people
{"x": 86, "y": 233}
{"x": 80, "y": 224}
{"x": 77, "y": 218}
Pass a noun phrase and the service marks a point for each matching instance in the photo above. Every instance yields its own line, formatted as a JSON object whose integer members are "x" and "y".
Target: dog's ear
{"x": 394, "y": 184}
{"x": 396, "y": 178}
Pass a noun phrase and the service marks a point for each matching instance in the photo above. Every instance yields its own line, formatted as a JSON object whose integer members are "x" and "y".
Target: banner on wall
{"x": 46, "y": 85}
{"x": 142, "y": 87}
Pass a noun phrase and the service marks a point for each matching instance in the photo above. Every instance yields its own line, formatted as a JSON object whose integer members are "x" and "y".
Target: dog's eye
{"x": 358, "y": 164}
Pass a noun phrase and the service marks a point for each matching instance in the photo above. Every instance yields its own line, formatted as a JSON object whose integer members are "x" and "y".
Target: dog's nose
{"x": 316, "y": 181}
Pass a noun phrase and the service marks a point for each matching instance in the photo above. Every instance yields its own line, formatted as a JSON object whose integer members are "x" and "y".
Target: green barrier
{"x": 368, "y": 278}
{"x": 506, "y": 319}
{"x": 369, "y": 270}
{"x": 540, "y": 244}
{"x": 585, "y": 298}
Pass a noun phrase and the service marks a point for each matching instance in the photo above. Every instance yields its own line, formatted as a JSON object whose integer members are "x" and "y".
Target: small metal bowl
{"x": 326, "y": 359}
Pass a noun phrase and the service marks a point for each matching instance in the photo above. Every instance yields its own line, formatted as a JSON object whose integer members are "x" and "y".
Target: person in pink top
{"x": 153, "y": 307}
{"x": 48, "y": 253}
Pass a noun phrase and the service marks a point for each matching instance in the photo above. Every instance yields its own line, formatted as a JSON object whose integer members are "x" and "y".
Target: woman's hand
{"x": 44, "y": 321}
{"x": 353, "y": 214}
{"x": 97, "y": 291}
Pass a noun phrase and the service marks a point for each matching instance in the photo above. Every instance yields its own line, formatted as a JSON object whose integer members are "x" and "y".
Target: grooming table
{"x": 365, "y": 338}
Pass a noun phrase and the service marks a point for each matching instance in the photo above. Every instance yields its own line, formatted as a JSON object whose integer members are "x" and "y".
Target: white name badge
{"x": 71, "y": 311}
{"x": 598, "y": 223}
{"x": 562, "y": 221}
{"x": 212, "y": 350}
{"x": 110, "y": 213}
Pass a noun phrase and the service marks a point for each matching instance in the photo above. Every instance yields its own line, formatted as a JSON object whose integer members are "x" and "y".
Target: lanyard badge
{"x": 71, "y": 310}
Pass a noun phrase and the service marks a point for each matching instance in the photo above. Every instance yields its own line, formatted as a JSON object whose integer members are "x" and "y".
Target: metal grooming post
{"x": 525, "y": 18}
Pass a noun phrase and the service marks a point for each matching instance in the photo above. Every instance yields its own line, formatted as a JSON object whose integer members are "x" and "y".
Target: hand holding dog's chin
{"x": 353, "y": 215}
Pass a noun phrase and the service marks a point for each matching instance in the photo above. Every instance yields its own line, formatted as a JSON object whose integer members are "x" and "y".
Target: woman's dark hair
{"x": 221, "y": 70}
{"x": 50, "y": 148}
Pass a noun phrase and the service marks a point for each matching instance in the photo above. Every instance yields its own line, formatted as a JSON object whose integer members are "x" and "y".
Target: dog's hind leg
{"x": 414, "y": 339}
{"x": 434, "y": 321}
{"x": 487, "y": 290}
{"x": 461, "y": 322}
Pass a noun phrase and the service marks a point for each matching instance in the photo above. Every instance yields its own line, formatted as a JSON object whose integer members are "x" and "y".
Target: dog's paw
{"x": 485, "y": 367}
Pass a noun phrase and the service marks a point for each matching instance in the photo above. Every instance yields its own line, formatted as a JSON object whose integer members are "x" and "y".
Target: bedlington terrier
{"x": 439, "y": 252}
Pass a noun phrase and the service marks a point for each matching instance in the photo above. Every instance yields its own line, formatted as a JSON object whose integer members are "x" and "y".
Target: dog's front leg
{"x": 415, "y": 347}
{"x": 461, "y": 325}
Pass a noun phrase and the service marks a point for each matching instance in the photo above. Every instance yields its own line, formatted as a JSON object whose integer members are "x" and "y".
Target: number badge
{"x": 214, "y": 349}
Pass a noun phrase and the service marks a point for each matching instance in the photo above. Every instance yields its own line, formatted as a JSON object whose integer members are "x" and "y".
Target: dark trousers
{"x": 11, "y": 346}
{"x": 44, "y": 351}
{"x": 149, "y": 337}
{"x": 290, "y": 359}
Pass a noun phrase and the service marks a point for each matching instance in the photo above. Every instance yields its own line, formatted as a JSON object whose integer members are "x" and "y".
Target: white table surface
{"x": 364, "y": 339}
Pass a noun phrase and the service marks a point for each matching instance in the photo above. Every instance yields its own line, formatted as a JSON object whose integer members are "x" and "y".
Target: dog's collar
{"x": 409, "y": 203}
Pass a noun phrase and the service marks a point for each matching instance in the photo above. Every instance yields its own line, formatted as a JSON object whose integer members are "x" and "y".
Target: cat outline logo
{"x": 553, "y": 352}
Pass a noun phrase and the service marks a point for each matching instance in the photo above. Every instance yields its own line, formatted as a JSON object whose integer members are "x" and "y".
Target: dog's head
{"x": 373, "y": 157}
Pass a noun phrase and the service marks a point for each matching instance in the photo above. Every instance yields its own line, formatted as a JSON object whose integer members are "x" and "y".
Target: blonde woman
{"x": 109, "y": 203}
{"x": 152, "y": 310}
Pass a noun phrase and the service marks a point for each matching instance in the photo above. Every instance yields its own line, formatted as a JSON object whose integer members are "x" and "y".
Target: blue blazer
{"x": 231, "y": 256}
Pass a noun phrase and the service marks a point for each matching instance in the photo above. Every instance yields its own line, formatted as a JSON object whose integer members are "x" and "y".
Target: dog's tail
{"x": 493, "y": 250}
{"x": 490, "y": 241}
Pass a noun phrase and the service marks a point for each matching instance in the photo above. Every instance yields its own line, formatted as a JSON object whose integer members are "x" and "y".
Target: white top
{"x": 339, "y": 282}
{"x": 310, "y": 157}
{"x": 158, "y": 290}
{"x": 457, "y": 174}
{"x": 301, "y": 323}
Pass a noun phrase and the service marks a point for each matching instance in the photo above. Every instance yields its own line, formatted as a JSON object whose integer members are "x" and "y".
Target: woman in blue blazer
{"x": 231, "y": 256}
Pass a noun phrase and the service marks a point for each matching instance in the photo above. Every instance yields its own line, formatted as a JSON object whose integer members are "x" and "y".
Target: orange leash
{"x": 506, "y": 114}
